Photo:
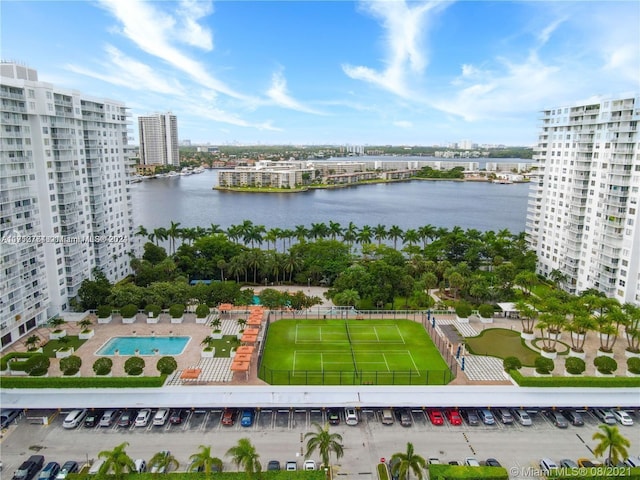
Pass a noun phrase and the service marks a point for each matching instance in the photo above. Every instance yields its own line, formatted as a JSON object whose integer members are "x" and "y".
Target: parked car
{"x": 74, "y": 418}
{"x": 140, "y": 464}
{"x": 273, "y": 465}
{"x": 505, "y": 415}
{"x": 160, "y": 467}
{"x": 350, "y": 416}
{"x": 435, "y": 416}
{"x": 228, "y": 417}
{"x": 142, "y": 419}
{"x": 454, "y": 462}
{"x": 471, "y": 462}
{"x": 7, "y": 416}
{"x": 333, "y": 416}
{"x": 522, "y": 417}
{"x": 622, "y": 417}
{"x": 176, "y": 416}
{"x": 433, "y": 461}
{"x": 309, "y": 465}
{"x": 28, "y": 469}
{"x": 453, "y": 416}
{"x": 50, "y": 471}
{"x": 387, "y": 416}
{"x": 492, "y": 462}
{"x": 127, "y": 418}
{"x": 246, "y": 420}
{"x": 546, "y": 465}
{"x": 587, "y": 463}
{"x": 574, "y": 417}
{"x": 470, "y": 416}
{"x": 96, "y": 466}
{"x": 605, "y": 416}
{"x": 161, "y": 417}
{"x": 291, "y": 466}
{"x": 568, "y": 463}
{"x": 403, "y": 415}
{"x": 93, "y": 418}
{"x": 486, "y": 416}
{"x": 632, "y": 461}
{"x": 557, "y": 419}
{"x": 108, "y": 417}
{"x": 68, "y": 467}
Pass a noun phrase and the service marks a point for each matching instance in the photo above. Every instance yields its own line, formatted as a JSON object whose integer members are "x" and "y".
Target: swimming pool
{"x": 144, "y": 345}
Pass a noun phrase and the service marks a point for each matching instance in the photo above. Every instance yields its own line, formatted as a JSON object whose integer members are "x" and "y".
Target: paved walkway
{"x": 211, "y": 370}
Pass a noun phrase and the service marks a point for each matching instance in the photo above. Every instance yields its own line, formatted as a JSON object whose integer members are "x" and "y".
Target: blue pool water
{"x": 256, "y": 300}
{"x": 145, "y": 345}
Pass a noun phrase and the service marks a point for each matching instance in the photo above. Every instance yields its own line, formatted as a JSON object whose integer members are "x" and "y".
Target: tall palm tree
{"x": 158, "y": 235}
{"x": 244, "y": 455}
{"x": 142, "y": 231}
{"x": 380, "y": 233}
{"x": 426, "y": 232}
{"x": 632, "y": 326}
{"x": 203, "y": 460}
{"x": 407, "y": 462}
{"x": 612, "y": 440}
{"x": 325, "y": 443}
{"x": 364, "y": 235}
{"x": 394, "y": 233}
{"x": 173, "y": 232}
{"x": 117, "y": 461}
{"x": 163, "y": 462}
{"x": 334, "y": 229}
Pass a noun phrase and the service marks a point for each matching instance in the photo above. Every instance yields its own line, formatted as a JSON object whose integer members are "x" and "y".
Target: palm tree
{"x": 426, "y": 232}
{"x": 334, "y": 229}
{"x": 407, "y": 462}
{"x": 203, "y": 461}
{"x": 364, "y": 235}
{"x": 158, "y": 235}
{"x": 163, "y": 461}
{"x": 32, "y": 342}
{"x": 173, "y": 232}
{"x": 632, "y": 326}
{"x": 380, "y": 233}
{"x": 244, "y": 454}
{"x": 117, "y": 460}
{"x": 325, "y": 443}
{"x": 610, "y": 439}
{"x": 394, "y": 233}
{"x": 142, "y": 232}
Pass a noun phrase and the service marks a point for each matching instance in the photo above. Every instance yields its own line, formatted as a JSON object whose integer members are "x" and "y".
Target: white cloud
{"x": 192, "y": 32}
{"x": 405, "y": 28}
{"x": 131, "y": 74}
{"x": 278, "y": 93}
{"x": 403, "y": 124}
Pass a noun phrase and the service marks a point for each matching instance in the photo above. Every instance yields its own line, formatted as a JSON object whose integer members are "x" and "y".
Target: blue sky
{"x": 311, "y": 72}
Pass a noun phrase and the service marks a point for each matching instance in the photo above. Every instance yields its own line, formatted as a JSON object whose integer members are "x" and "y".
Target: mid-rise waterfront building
{"x": 582, "y": 218}
{"x": 158, "y": 139}
{"x": 64, "y": 202}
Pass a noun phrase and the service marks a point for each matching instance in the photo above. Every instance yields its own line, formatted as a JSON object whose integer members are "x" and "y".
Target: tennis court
{"x": 348, "y": 352}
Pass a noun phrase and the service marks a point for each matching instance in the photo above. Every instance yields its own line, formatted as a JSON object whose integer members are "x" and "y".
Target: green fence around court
{"x": 350, "y": 377}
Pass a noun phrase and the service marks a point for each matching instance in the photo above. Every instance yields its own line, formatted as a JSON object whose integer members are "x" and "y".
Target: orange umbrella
{"x": 249, "y": 338}
{"x": 225, "y": 307}
{"x": 190, "y": 374}
{"x": 239, "y": 366}
{"x": 254, "y": 321}
{"x": 244, "y": 349}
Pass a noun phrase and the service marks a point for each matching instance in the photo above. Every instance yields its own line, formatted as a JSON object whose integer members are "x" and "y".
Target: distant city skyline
{"x": 310, "y": 73}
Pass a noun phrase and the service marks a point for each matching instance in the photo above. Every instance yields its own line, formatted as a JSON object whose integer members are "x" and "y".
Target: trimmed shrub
{"x": 153, "y": 310}
{"x": 4, "y": 362}
{"x": 511, "y": 363}
{"x": 202, "y": 311}
{"x": 85, "y": 382}
{"x": 176, "y": 310}
{"x": 103, "y": 311}
{"x": 134, "y": 366}
{"x": 37, "y": 365}
{"x": 599, "y": 382}
{"x": 383, "y": 471}
{"x": 485, "y": 310}
{"x": 463, "y": 310}
{"x": 167, "y": 365}
{"x": 633, "y": 365}
{"x": 70, "y": 365}
{"x": 129, "y": 310}
{"x": 102, "y": 366}
{"x": 575, "y": 365}
{"x": 605, "y": 365}
{"x": 543, "y": 365}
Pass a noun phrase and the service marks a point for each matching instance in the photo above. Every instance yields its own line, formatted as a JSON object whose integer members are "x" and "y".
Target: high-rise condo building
{"x": 64, "y": 202}
{"x": 582, "y": 218}
{"x": 158, "y": 139}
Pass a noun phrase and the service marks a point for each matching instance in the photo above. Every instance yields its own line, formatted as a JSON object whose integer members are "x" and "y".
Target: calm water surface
{"x": 191, "y": 201}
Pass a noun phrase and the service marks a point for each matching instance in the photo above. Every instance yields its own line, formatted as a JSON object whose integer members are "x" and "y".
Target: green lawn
{"x": 49, "y": 349}
{"x": 224, "y": 345}
{"x": 348, "y": 352}
{"x": 501, "y": 343}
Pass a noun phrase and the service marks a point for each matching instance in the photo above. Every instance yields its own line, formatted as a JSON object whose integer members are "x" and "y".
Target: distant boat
{"x": 503, "y": 181}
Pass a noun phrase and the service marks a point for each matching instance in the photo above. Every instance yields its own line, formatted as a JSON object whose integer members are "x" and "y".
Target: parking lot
{"x": 278, "y": 434}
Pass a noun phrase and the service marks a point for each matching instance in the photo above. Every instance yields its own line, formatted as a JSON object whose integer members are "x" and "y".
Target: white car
{"x": 74, "y": 418}
{"x": 310, "y": 465}
{"x": 622, "y": 417}
{"x": 522, "y": 417}
{"x": 161, "y": 417}
{"x": 350, "y": 416}
{"x": 471, "y": 462}
{"x": 605, "y": 416}
{"x": 291, "y": 466}
{"x": 143, "y": 417}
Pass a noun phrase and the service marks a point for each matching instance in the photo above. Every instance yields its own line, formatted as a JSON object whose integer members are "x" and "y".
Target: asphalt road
{"x": 278, "y": 434}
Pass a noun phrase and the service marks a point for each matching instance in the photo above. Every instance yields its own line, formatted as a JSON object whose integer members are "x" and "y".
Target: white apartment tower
{"x": 64, "y": 202}
{"x": 582, "y": 218}
{"x": 158, "y": 139}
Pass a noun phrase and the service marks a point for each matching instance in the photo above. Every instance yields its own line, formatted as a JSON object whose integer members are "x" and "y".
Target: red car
{"x": 436, "y": 417}
{"x": 453, "y": 416}
{"x": 228, "y": 417}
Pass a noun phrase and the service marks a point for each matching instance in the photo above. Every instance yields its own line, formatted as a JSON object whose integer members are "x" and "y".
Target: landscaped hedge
{"x": 575, "y": 365}
{"x": 4, "y": 361}
{"x": 511, "y": 363}
{"x": 485, "y": 310}
{"x": 134, "y": 366}
{"x": 37, "y": 365}
{"x": 543, "y": 365}
{"x": 633, "y": 365}
{"x": 451, "y": 472}
{"x": 102, "y": 366}
{"x": 167, "y": 365}
{"x": 83, "y": 382}
{"x": 70, "y": 365}
{"x": 605, "y": 365}
{"x": 103, "y": 311}
{"x": 383, "y": 471}
{"x": 463, "y": 310}
{"x": 202, "y": 311}
{"x": 176, "y": 310}
{"x": 154, "y": 310}
{"x": 600, "y": 382}
{"x": 129, "y": 311}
